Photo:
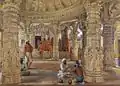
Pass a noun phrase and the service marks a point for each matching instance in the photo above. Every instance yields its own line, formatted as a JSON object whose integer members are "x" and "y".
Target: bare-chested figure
{"x": 78, "y": 72}
{"x": 28, "y": 49}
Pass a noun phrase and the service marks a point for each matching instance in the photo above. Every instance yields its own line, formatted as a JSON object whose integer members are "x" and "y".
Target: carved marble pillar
{"x": 56, "y": 41}
{"x": 27, "y": 35}
{"x": 93, "y": 55}
{"x": 1, "y": 33}
{"x": 31, "y": 36}
{"x": 108, "y": 44}
{"x": 116, "y": 41}
{"x": 75, "y": 42}
{"x": 108, "y": 40}
{"x": 32, "y": 39}
{"x": 0, "y": 47}
{"x": 11, "y": 60}
{"x": 1, "y": 43}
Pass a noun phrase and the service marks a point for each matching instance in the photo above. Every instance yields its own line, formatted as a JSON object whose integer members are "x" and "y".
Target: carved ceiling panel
{"x": 53, "y": 10}
{"x": 49, "y": 5}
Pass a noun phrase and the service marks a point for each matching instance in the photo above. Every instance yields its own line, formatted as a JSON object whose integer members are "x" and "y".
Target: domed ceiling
{"x": 53, "y": 10}
{"x": 49, "y": 5}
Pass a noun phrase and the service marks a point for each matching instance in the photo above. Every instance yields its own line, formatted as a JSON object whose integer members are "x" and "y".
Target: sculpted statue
{"x": 32, "y": 5}
{"x": 42, "y": 6}
{"x": 35, "y": 5}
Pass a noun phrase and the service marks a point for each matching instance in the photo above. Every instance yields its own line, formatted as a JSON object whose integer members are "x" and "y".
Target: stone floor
{"x": 39, "y": 76}
{"x": 44, "y": 73}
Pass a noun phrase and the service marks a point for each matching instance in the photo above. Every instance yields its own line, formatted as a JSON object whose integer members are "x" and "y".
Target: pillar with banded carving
{"x": 1, "y": 33}
{"x": 74, "y": 41}
{"x": 11, "y": 60}
{"x": 108, "y": 40}
{"x": 56, "y": 37}
{"x": 93, "y": 55}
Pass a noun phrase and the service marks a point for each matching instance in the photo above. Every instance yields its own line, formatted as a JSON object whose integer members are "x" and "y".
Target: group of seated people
{"x": 77, "y": 70}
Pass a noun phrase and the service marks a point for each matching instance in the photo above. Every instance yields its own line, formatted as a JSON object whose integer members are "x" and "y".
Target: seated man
{"x": 63, "y": 65}
{"x": 24, "y": 63}
{"x": 63, "y": 69}
{"x": 78, "y": 72}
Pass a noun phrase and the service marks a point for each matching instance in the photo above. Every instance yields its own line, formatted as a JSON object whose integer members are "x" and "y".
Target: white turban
{"x": 64, "y": 59}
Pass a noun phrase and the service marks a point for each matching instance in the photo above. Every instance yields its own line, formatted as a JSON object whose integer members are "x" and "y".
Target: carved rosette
{"x": 93, "y": 55}
{"x": 11, "y": 60}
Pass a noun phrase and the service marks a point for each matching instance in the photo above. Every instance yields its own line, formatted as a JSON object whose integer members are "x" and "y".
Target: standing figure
{"x": 28, "y": 49}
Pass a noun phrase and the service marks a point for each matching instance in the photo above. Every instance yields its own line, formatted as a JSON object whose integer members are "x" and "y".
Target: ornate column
{"x": 56, "y": 41}
{"x": 27, "y": 30}
{"x": 75, "y": 43}
{"x": 11, "y": 60}
{"x": 1, "y": 34}
{"x": 1, "y": 45}
{"x": 93, "y": 55}
{"x": 108, "y": 39}
{"x": 31, "y": 35}
{"x": 116, "y": 40}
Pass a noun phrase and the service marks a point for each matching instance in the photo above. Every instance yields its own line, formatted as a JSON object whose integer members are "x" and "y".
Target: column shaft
{"x": 75, "y": 42}
{"x": 1, "y": 37}
{"x": 108, "y": 40}
{"x": 108, "y": 43}
{"x": 93, "y": 55}
{"x": 10, "y": 60}
{"x": 56, "y": 42}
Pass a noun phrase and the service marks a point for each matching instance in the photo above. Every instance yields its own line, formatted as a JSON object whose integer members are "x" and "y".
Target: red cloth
{"x": 46, "y": 46}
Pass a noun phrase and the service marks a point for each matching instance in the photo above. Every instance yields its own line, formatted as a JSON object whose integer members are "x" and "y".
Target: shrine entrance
{"x": 37, "y": 41}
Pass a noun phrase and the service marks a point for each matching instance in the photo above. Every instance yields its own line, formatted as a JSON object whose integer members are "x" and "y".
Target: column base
{"x": 55, "y": 55}
{"x": 93, "y": 79}
{"x": 108, "y": 67}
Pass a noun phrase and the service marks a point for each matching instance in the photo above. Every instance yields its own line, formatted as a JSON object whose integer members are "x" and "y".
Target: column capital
{"x": 96, "y": 6}
{"x": 56, "y": 28}
{"x": 55, "y": 23}
{"x": 15, "y": 2}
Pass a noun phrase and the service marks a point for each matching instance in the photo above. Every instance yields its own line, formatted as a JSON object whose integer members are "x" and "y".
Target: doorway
{"x": 37, "y": 41}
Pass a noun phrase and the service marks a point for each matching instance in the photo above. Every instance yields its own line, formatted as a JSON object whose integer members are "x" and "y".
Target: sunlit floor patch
{"x": 116, "y": 69}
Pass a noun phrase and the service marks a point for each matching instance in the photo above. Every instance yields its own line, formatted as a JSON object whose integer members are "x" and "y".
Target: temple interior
{"x": 86, "y": 30}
